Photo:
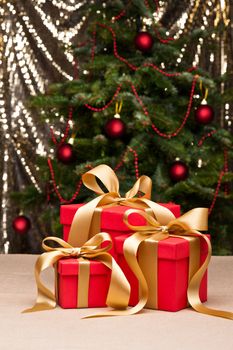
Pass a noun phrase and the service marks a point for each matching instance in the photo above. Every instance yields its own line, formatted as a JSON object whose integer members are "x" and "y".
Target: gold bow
{"x": 185, "y": 227}
{"x": 87, "y": 217}
{"x": 119, "y": 289}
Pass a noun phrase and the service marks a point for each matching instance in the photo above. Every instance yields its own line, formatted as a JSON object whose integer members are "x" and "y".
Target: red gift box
{"x": 111, "y": 218}
{"x": 68, "y": 283}
{"x": 173, "y": 271}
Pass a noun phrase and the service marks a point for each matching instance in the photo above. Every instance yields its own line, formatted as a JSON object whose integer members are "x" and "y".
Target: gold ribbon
{"x": 204, "y": 92}
{"x": 86, "y": 221}
{"x": 118, "y": 109}
{"x": 119, "y": 288}
{"x": 186, "y": 227}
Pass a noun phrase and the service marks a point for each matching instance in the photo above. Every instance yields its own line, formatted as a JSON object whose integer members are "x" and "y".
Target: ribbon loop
{"x": 105, "y": 175}
{"x": 144, "y": 185}
{"x": 154, "y": 226}
{"x": 87, "y": 218}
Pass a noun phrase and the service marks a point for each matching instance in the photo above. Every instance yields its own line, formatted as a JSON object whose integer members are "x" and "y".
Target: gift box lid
{"x": 171, "y": 248}
{"x": 111, "y": 217}
{"x": 69, "y": 266}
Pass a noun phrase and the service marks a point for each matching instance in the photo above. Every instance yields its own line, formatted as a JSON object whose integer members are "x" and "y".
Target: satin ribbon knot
{"x": 154, "y": 227}
{"x": 75, "y": 252}
{"x": 163, "y": 228}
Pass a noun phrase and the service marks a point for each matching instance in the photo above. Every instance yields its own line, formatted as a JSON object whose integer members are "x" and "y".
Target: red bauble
{"x": 204, "y": 114}
{"x": 65, "y": 153}
{"x": 115, "y": 128}
{"x": 21, "y": 224}
{"x": 178, "y": 171}
{"x": 144, "y": 41}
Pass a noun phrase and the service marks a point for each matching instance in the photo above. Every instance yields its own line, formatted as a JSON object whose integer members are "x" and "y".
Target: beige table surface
{"x": 64, "y": 329}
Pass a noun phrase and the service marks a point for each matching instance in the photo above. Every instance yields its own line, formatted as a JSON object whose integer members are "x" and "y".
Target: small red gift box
{"x": 111, "y": 218}
{"x": 68, "y": 284}
{"x": 172, "y": 273}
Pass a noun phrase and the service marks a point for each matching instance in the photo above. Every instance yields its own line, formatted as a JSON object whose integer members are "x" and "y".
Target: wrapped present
{"x": 105, "y": 212}
{"x": 161, "y": 261}
{"x": 75, "y": 290}
{"x": 86, "y": 276}
{"x": 172, "y": 264}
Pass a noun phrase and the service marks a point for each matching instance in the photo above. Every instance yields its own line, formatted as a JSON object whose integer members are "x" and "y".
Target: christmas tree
{"x": 138, "y": 104}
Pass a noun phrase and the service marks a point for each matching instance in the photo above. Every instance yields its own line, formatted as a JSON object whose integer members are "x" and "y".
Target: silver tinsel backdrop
{"x": 35, "y": 37}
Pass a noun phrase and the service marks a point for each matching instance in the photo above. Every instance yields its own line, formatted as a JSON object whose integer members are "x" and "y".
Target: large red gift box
{"x": 111, "y": 218}
{"x": 173, "y": 272}
{"x": 68, "y": 283}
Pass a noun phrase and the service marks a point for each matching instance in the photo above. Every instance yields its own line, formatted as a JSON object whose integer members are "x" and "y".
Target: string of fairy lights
{"x": 22, "y": 74}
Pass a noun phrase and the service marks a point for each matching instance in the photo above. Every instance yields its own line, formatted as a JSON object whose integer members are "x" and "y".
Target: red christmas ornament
{"x": 21, "y": 224}
{"x": 144, "y": 41}
{"x": 115, "y": 128}
{"x": 65, "y": 153}
{"x": 178, "y": 171}
{"x": 204, "y": 114}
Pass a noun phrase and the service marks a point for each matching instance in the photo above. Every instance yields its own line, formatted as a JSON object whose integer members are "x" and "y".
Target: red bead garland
{"x": 146, "y": 2}
{"x": 121, "y": 162}
{"x": 88, "y": 166}
{"x": 163, "y": 41}
{"x": 67, "y": 129}
{"x": 101, "y": 109}
{"x": 169, "y": 75}
{"x": 178, "y": 130}
{"x": 216, "y": 191}
{"x": 226, "y": 169}
{"x": 202, "y": 139}
{"x": 222, "y": 172}
{"x": 119, "y": 16}
{"x": 135, "y": 162}
{"x": 124, "y": 60}
{"x": 61, "y": 199}
{"x": 93, "y": 46}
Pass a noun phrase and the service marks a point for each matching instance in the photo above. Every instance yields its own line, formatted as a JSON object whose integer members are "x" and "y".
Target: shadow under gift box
{"x": 173, "y": 271}
{"x": 111, "y": 219}
{"x": 68, "y": 283}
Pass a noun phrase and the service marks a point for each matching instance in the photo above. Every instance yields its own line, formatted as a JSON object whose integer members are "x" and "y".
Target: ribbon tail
{"x": 131, "y": 246}
{"x": 80, "y": 227}
{"x": 39, "y": 307}
{"x": 46, "y": 299}
{"x": 194, "y": 285}
{"x": 119, "y": 289}
{"x": 84, "y": 216}
{"x": 143, "y": 184}
{"x": 127, "y": 312}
